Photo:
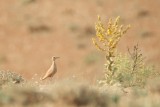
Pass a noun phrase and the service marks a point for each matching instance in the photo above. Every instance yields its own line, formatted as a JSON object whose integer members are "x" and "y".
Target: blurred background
{"x": 32, "y": 31}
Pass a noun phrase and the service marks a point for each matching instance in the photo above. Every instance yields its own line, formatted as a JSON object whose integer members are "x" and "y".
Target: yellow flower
{"x": 106, "y": 40}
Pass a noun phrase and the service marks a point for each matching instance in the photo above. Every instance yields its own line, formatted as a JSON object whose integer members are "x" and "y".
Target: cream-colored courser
{"x": 52, "y": 70}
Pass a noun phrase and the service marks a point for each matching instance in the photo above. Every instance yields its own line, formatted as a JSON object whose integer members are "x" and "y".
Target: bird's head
{"x": 54, "y": 58}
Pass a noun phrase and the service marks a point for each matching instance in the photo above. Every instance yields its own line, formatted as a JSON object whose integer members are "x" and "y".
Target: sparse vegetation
{"x": 131, "y": 71}
{"x": 7, "y": 77}
{"x": 31, "y": 31}
{"x": 128, "y": 70}
{"x": 125, "y": 82}
{"x": 73, "y": 95}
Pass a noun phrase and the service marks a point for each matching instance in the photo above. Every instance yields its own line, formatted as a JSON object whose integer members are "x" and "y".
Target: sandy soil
{"x": 32, "y": 31}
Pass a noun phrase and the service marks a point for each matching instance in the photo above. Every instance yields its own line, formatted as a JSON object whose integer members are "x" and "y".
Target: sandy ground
{"x": 32, "y": 31}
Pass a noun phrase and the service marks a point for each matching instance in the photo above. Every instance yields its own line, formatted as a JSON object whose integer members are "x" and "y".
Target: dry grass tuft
{"x": 71, "y": 94}
{"x": 9, "y": 77}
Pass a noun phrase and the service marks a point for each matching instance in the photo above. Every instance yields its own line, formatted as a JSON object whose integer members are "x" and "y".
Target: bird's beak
{"x": 57, "y": 57}
{"x": 53, "y": 58}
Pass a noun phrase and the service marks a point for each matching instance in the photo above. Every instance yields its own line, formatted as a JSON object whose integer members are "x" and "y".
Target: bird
{"x": 52, "y": 70}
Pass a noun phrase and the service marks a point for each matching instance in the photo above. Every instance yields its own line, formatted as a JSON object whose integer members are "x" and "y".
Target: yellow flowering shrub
{"x": 128, "y": 70}
{"x": 106, "y": 40}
